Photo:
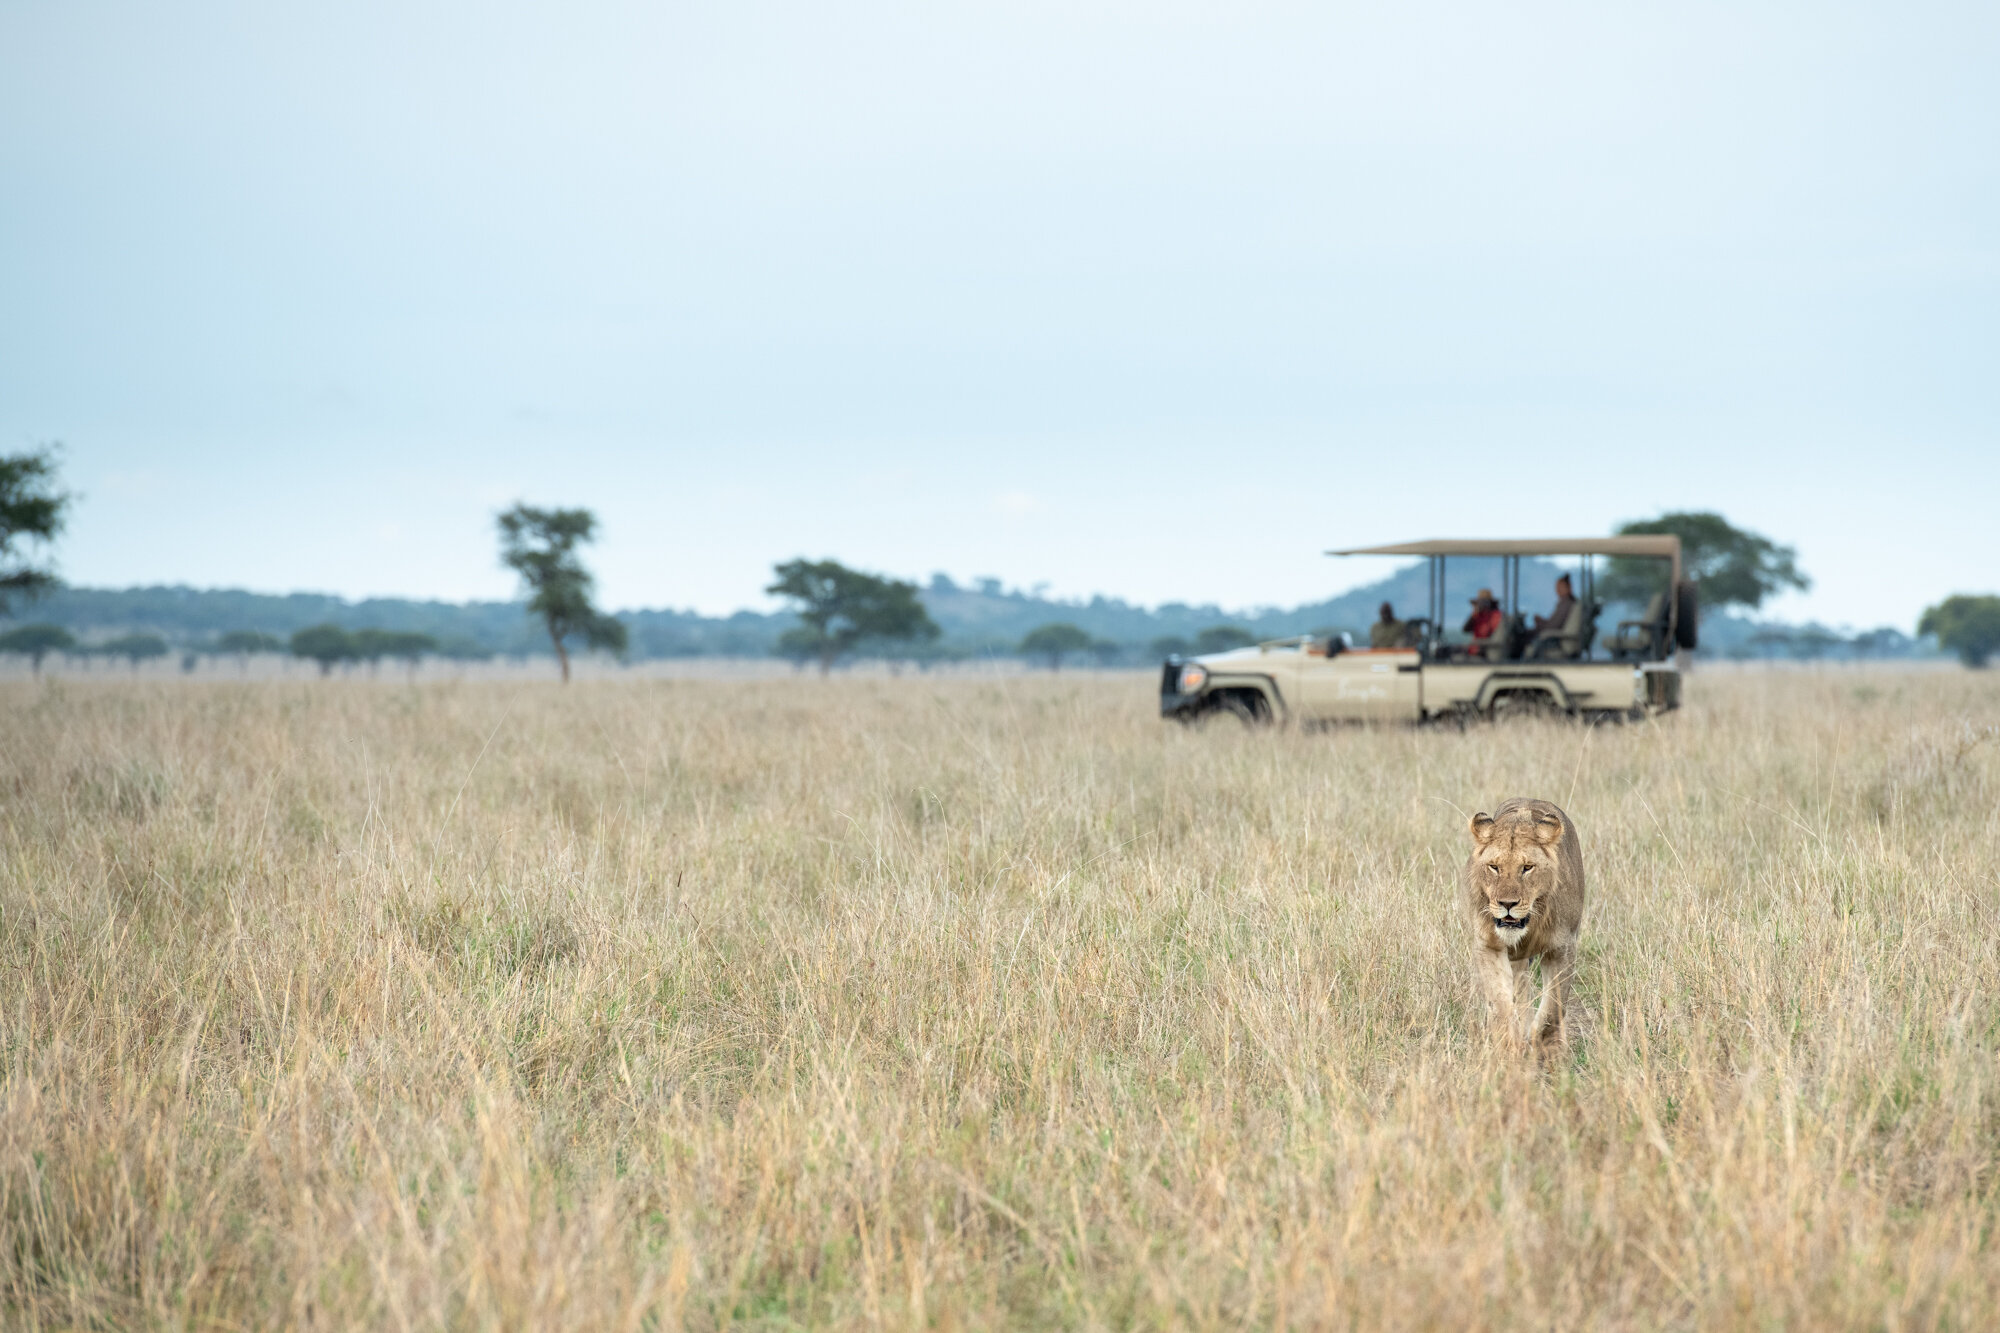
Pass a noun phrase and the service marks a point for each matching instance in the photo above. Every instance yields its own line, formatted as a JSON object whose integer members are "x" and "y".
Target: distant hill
{"x": 980, "y": 619}
{"x": 191, "y": 616}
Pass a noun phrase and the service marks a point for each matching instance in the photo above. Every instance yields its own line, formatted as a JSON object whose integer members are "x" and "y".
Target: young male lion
{"x": 1524, "y": 894}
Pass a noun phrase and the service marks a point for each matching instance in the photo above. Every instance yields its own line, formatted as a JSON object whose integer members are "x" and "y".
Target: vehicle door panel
{"x": 1364, "y": 685}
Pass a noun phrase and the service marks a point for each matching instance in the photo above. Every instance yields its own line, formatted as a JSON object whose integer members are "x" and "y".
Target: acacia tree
{"x": 372, "y": 645}
{"x": 31, "y": 510}
{"x": 244, "y": 642}
{"x": 1055, "y": 642}
{"x": 540, "y": 545}
{"x": 1886, "y": 641}
{"x": 410, "y": 647}
{"x": 135, "y": 648}
{"x": 324, "y": 644}
{"x": 1968, "y": 626}
{"x": 840, "y": 608}
{"x": 1730, "y": 566}
{"x": 37, "y": 642}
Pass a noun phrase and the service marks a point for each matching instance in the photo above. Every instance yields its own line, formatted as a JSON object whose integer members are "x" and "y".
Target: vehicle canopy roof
{"x": 1666, "y": 547}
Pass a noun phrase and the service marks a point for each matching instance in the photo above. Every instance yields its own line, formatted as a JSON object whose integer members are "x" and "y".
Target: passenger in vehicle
{"x": 1556, "y": 621}
{"x": 1483, "y": 624}
{"x": 1387, "y": 632}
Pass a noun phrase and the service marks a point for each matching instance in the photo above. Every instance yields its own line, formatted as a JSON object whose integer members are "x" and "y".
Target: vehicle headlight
{"x": 1193, "y": 676}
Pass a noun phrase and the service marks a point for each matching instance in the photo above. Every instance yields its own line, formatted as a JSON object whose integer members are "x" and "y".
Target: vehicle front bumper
{"x": 1172, "y": 702}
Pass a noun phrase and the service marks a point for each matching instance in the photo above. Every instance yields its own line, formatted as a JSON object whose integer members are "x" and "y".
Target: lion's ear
{"x": 1548, "y": 829}
{"x": 1482, "y": 828}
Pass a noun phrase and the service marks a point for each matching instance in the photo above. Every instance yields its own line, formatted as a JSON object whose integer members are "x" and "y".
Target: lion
{"x": 1524, "y": 896}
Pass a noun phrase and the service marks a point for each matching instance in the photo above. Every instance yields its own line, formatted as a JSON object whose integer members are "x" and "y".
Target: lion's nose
{"x": 1509, "y": 903}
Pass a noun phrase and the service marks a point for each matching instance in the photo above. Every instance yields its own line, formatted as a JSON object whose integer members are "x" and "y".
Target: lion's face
{"x": 1514, "y": 865}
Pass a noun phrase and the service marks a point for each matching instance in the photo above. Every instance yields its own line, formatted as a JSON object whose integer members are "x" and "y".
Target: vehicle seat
{"x": 1572, "y": 640}
{"x": 1590, "y": 627}
{"x": 1645, "y": 637}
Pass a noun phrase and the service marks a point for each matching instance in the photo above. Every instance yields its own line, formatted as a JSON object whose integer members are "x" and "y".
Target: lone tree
{"x": 324, "y": 644}
{"x": 540, "y": 545}
{"x": 31, "y": 510}
{"x": 841, "y": 608}
{"x": 1729, "y": 566}
{"x": 1967, "y": 625}
{"x": 37, "y": 642}
{"x": 1055, "y": 642}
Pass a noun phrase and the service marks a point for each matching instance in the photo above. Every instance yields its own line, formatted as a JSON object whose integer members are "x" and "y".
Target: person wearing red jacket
{"x": 1484, "y": 622}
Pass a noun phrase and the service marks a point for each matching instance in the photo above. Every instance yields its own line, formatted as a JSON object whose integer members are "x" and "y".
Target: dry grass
{"x": 980, "y": 1002}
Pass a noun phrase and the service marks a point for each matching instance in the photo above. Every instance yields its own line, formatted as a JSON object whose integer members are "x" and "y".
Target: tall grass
{"x": 953, "y": 1003}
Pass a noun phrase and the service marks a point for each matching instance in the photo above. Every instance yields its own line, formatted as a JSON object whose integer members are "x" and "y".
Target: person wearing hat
{"x": 1483, "y": 623}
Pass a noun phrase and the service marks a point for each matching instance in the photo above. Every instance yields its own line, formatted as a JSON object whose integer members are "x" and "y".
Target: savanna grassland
{"x": 981, "y": 1001}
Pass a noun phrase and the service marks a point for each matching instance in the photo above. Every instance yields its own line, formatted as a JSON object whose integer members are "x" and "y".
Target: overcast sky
{"x": 1156, "y": 300}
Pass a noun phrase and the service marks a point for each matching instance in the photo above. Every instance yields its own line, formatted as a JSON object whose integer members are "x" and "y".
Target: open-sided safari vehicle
{"x": 1430, "y": 666}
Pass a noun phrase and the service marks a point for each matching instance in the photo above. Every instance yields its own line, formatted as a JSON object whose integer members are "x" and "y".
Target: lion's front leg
{"x": 1558, "y": 965}
{"x": 1495, "y": 974}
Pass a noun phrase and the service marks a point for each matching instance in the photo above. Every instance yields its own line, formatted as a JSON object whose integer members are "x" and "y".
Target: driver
{"x": 1387, "y": 632}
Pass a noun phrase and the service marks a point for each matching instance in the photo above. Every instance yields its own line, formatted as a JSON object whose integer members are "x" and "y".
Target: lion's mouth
{"x": 1510, "y": 922}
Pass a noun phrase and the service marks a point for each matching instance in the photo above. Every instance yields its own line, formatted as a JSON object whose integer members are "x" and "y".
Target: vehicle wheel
{"x": 1521, "y": 705}
{"x": 1246, "y": 707}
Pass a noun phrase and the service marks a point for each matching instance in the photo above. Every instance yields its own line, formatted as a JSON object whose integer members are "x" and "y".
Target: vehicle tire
{"x": 1687, "y": 614}
{"x": 1246, "y": 706}
{"x": 1524, "y": 705}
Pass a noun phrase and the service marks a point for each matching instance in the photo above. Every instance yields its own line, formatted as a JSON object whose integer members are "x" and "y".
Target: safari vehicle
{"x": 1436, "y": 671}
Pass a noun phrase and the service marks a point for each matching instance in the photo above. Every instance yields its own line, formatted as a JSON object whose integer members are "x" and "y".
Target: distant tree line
{"x": 330, "y": 646}
{"x": 836, "y": 613}
{"x": 326, "y": 645}
{"x": 36, "y": 642}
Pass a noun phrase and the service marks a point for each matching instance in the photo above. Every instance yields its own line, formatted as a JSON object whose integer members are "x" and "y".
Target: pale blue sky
{"x": 1156, "y": 300}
